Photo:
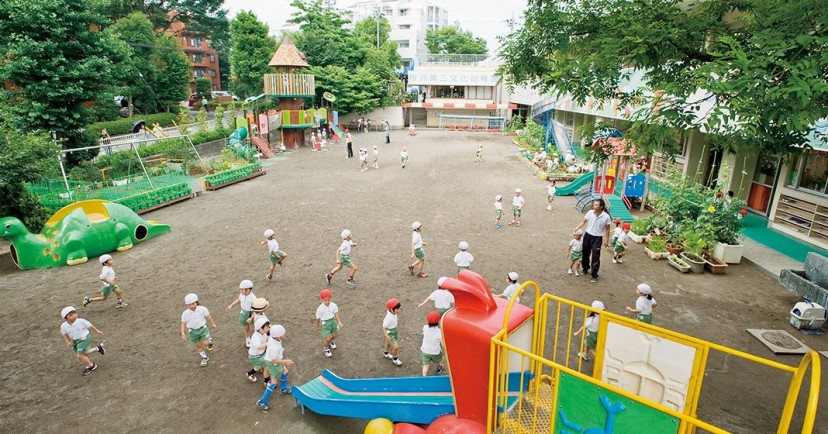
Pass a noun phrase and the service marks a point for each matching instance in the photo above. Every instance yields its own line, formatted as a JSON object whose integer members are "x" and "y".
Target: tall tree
{"x": 52, "y": 51}
{"x": 252, "y": 49}
{"x": 751, "y": 72}
{"x": 380, "y": 57}
{"x": 200, "y": 16}
{"x": 454, "y": 40}
{"x": 323, "y": 37}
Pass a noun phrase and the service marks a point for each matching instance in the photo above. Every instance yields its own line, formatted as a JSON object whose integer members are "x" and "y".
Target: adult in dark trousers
{"x": 597, "y": 224}
{"x": 387, "y": 132}
{"x": 349, "y": 139}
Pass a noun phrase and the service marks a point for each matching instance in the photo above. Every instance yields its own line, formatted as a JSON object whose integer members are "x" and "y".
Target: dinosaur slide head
{"x": 11, "y": 227}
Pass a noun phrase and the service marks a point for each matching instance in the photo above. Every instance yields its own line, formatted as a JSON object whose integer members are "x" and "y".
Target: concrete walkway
{"x": 767, "y": 259}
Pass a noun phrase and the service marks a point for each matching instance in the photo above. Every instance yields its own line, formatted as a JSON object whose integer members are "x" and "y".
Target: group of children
{"x": 363, "y": 159}
{"x": 618, "y": 244}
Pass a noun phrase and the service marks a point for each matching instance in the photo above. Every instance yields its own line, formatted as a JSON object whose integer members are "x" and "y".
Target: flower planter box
{"x": 638, "y": 239}
{"x": 714, "y": 265}
{"x": 695, "y": 266}
{"x": 677, "y": 266}
{"x": 656, "y": 255}
{"x": 728, "y": 253}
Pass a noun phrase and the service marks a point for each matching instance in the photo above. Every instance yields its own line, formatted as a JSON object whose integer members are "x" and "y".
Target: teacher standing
{"x": 597, "y": 224}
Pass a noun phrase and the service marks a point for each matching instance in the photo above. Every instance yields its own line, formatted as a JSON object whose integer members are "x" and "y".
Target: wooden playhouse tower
{"x": 291, "y": 86}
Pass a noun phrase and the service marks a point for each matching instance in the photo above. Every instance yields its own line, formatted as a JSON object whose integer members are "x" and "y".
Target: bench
{"x": 812, "y": 282}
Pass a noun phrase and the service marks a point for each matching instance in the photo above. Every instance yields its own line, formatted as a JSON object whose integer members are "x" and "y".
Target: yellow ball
{"x": 379, "y": 426}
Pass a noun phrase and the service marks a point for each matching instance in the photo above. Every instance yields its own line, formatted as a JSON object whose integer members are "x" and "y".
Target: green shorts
{"x": 431, "y": 358}
{"x": 198, "y": 335}
{"x": 419, "y": 253}
{"x": 613, "y": 240}
{"x": 328, "y": 327}
{"x": 345, "y": 260}
{"x": 498, "y": 214}
{"x": 392, "y": 333}
{"x": 402, "y": 159}
{"x": 576, "y": 256}
{"x": 443, "y": 311}
{"x": 276, "y": 258}
{"x": 273, "y": 368}
{"x": 516, "y": 211}
{"x": 591, "y": 340}
{"x": 550, "y": 198}
{"x": 106, "y": 290}
{"x": 80, "y": 346}
{"x": 462, "y": 268}
{"x": 258, "y": 362}
{"x": 645, "y": 318}
{"x": 619, "y": 248}
{"x": 243, "y": 316}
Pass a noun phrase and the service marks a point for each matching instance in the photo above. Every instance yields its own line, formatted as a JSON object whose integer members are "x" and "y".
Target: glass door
{"x": 761, "y": 188}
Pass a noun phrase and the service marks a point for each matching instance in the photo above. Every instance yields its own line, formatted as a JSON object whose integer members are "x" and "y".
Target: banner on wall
{"x": 263, "y": 126}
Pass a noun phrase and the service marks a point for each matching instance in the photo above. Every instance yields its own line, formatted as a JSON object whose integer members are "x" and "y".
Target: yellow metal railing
{"x": 559, "y": 361}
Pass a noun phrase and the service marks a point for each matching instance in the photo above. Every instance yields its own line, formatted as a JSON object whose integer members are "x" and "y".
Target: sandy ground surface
{"x": 150, "y": 381}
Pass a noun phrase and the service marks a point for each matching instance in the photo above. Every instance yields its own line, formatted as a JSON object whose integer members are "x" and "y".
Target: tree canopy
{"x": 454, "y": 40}
{"x": 201, "y": 16}
{"x": 751, "y": 73}
{"x": 252, "y": 49}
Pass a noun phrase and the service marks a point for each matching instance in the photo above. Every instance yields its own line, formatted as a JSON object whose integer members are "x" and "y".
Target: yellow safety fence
{"x": 556, "y": 369}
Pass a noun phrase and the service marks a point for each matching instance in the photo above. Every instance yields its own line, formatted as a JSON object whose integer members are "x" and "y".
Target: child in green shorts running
{"x": 327, "y": 322}
{"x": 108, "y": 284}
{"x": 343, "y": 258}
{"x": 575, "y": 252}
{"x": 194, "y": 320}
{"x": 276, "y": 256}
{"x": 76, "y": 335}
{"x": 591, "y": 327}
{"x": 389, "y": 330}
{"x": 498, "y": 205}
{"x": 275, "y": 364}
{"x": 417, "y": 250}
{"x": 621, "y": 244}
{"x": 256, "y": 352}
{"x": 441, "y": 297}
{"x": 245, "y": 300}
{"x": 431, "y": 350}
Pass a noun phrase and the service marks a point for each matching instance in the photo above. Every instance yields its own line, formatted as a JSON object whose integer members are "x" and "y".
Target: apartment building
{"x": 204, "y": 59}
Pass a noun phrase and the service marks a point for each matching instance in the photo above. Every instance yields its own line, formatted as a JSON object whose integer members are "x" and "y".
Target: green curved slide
{"x": 572, "y": 187}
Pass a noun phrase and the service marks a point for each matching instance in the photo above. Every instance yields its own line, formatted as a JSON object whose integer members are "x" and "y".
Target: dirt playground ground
{"x": 150, "y": 380}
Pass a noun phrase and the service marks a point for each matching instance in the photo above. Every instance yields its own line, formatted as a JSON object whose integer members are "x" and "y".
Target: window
{"x": 196, "y": 42}
{"x": 403, "y": 44}
{"x": 214, "y": 85}
{"x": 810, "y": 172}
{"x": 405, "y": 26}
{"x": 197, "y": 58}
{"x": 212, "y": 58}
{"x": 479, "y": 92}
{"x": 449, "y": 92}
{"x": 403, "y": 12}
{"x": 213, "y": 74}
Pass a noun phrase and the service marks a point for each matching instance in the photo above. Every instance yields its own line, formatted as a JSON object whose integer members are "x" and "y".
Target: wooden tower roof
{"x": 288, "y": 55}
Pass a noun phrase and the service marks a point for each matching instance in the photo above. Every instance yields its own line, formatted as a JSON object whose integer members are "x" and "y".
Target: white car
{"x": 217, "y": 93}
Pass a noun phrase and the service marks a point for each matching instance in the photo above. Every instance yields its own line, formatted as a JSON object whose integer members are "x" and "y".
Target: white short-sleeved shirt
{"x": 274, "y": 351}
{"x": 345, "y": 247}
{"x": 107, "y": 273}
{"x": 255, "y": 341}
{"x": 78, "y": 330}
{"x": 645, "y": 305}
{"x": 622, "y": 238}
{"x": 363, "y": 156}
{"x": 390, "y": 321}
{"x": 518, "y": 201}
{"x": 617, "y": 232}
{"x": 246, "y": 301}
{"x": 463, "y": 259}
{"x": 325, "y": 313}
{"x": 195, "y": 319}
{"x": 376, "y": 153}
{"x": 551, "y": 190}
{"x": 511, "y": 291}
{"x": 443, "y": 299}
{"x": 431, "y": 340}
{"x": 597, "y": 224}
{"x": 417, "y": 240}
{"x": 498, "y": 206}
{"x": 272, "y": 246}
{"x": 577, "y": 245}
{"x": 403, "y": 154}
{"x": 592, "y": 323}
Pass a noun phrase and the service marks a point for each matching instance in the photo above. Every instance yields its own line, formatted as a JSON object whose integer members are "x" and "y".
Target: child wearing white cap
{"x": 511, "y": 291}
{"x": 276, "y": 256}
{"x": 644, "y": 304}
{"x": 108, "y": 284}
{"x": 575, "y": 253}
{"x": 343, "y": 258}
{"x": 275, "y": 364}
{"x": 376, "y": 157}
{"x": 417, "y": 250}
{"x": 478, "y": 155}
{"x": 245, "y": 300}
{"x": 76, "y": 335}
{"x": 363, "y": 160}
{"x": 498, "y": 205}
{"x": 404, "y": 157}
{"x": 517, "y": 205}
{"x": 194, "y": 320}
{"x": 551, "y": 189}
{"x": 463, "y": 258}
{"x": 442, "y": 298}
{"x": 591, "y": 327}
{"x": 256, "y": 352}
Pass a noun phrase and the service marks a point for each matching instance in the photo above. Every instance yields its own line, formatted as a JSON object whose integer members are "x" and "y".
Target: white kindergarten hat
{"x": 277, "y": 331}
{"x": 513, "y": 276}
{"x": 463, "y": 245}
{"x": 345, "y": 234}
{"x": 498, "y": 197}
{"x": 245, "y": 284}
{"x": 517, "y": 190}
{"x": 645, "y": 289}
{"x": 190, "y": 299}
{"x": 66, "y": 311}
{"x": 415, "y": 226}
{"x": 598, "y": 305}
{"x": 440, "y": 282}
{"x": 105, "y": 258}
{"x": 261, "y": 323}
{"x": 268, "y": 233}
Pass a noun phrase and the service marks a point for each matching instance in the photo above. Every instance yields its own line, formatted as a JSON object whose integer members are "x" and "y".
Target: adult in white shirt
{"x": 597, "y": 225}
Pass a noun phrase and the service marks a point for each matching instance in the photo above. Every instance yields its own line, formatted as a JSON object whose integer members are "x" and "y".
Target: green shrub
{"x": 657, "y": 245}
{"x": 124, "y": 126}
{"x": 639, "y": 227}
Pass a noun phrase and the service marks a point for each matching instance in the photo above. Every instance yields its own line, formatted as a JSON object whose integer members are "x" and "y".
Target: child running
{"x": 256, "y": 352}
{"x": 551, "y": 189}
{"x": 343, "y": 258}
{"x": 591, "y": 327}
{"x": 258, "y": 307}
{"x": 417, "y": 250}
{"x": 195, "y": 319}
{"x": 376, "y": 157}
{"x": 442, "y": 298}
{"x": 644, "y": 304}
{"x": 478, "y": 156}
{"x": 389, "y": 330}
{"x": 463, "y": 258}
{"x": 510, "y": 291}
{"x": 276, "y": 256}
{"x": 276, "y": 364}
{"x": 621, "y": 244}
{"x": 76, "y": 335}
{"x": 431, "y": 350}
{"x": 363, "y": 160}
{"x": 108, "y": 284}
{"x": 498, "y": 205}
{"x": 404, "y": 157}
{"x": 575, "y": 253}
{"x": 245, "y": 300}
{"x": 517, "y": 205}
{"x": 327, "y": 322}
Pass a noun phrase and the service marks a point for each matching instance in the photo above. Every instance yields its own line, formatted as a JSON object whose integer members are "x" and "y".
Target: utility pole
{"x": 378, "y": 15}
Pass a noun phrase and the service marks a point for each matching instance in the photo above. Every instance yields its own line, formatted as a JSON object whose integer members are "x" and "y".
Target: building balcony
{"x": 289, "y": 85}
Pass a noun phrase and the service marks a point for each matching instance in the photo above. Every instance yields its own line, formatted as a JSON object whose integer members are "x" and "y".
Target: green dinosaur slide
{"x": 572, "y": 187}
{"x": 76, "y": 232}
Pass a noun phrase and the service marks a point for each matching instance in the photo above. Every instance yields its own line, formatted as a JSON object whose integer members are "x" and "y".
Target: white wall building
{"x": 409, "y": 19}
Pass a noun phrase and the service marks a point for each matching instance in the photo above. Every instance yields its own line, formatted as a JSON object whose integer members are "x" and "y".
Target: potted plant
{"x": 638, "y": 231}
{"x": 656, "y": 248}
{"x": 694, "y": 244}
{"x": 728, "y": 223}
{"x": 678, "y": 263}
{"x": 674, "y": 243}
{"x": 713, "y": 264}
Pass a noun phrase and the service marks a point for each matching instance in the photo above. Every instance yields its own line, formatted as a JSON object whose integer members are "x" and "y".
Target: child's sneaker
{"x": 583, "y": 357}
{"x": 614, "y": 261}
{"x": 86, "y": 301}
{"x": 204, "y": 361}
{"x": 328, "y": 278}
{"x": 578, "y": 273}
{"x": 251, "y": 377}
{"x": 411, "y": 269}
{"x": 569, "y": 271}
{"x": 438, "y": 370}
{"x": 120, "y": 304}
{"x": 285, "y": 391}
{"x": 89, "y": 369}
{"x": 333, "y": 345}
{"x": 247, "y": 342}
{"x": 396, "y": 361}
{"x": 350, "y": 281}
{"x": 620, "y": 261}
{"x": 269, "y": 276}
{"x": 327, "y": 352}
{"x": 210, "y": 345}
{"x": 263, "y": 405}
{"x": 386, "y": 355}
{"x": 101, "y": 348}
{"x": 422, "y": 275}
{"x": 497, "y": 225}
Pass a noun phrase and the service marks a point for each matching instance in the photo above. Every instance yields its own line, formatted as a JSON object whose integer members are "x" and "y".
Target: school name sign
{"x": 451, "y": 79}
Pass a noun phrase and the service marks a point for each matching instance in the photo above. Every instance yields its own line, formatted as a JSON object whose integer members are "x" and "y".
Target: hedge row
{"x": 124, "y": 126}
